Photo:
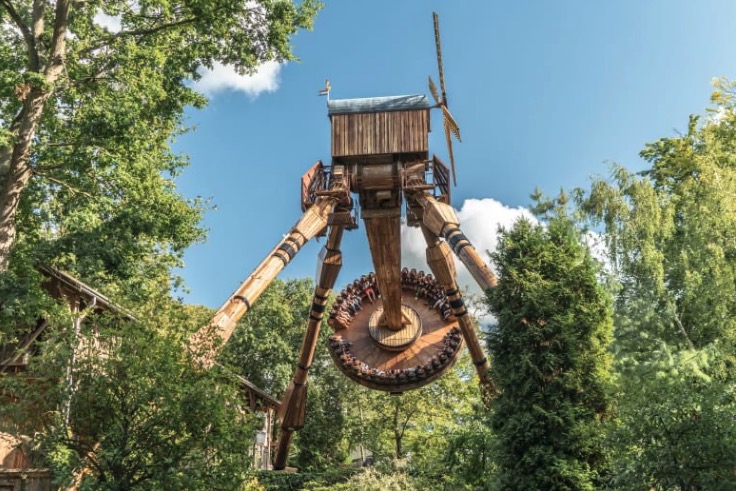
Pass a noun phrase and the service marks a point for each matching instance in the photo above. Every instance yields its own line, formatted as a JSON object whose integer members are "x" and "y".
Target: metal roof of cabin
{"x": 377, "y": 104}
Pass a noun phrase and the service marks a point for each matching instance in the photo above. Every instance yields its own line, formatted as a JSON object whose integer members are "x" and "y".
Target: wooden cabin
{"x": 379, "y": 129}
{"x": 18, "y": 470}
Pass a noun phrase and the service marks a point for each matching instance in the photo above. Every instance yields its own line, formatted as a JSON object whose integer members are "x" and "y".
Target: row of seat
{"x": 341, "y": 352}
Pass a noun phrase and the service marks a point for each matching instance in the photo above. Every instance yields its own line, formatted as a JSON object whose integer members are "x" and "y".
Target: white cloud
{"x": 717, "y": 116}
{"x": 222, "y": 77}
{"x": 110, "y": 22}
{"x": 596, "y": 244}
{"x": 479, "y": 221}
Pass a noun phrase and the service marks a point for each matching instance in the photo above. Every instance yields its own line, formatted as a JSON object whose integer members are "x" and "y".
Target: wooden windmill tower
{"x": 402, "y": 340}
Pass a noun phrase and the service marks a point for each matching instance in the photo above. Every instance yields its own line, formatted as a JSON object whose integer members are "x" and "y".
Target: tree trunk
{"x": 19, "y": 173}
{"x": 19, "y": 169}
{"x": 398, "y": 433}
{"x": 362, "y": 431}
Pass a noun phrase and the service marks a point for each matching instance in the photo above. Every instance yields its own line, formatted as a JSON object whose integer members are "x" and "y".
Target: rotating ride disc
{"x": 380, "y": 358}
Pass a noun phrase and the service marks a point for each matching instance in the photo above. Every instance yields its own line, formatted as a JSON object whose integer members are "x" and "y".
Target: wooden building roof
{"x": 266, "y": 399}
{"x": 377, "y": 104}
{"x": 59, "y": 280}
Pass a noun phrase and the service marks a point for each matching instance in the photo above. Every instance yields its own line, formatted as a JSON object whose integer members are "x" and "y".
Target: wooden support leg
{"x": 439, "y": 259}
{"x": 206, "y": 342}
{"x": 282, "y": 449}
{"x": 441, "y": 220}
{"x": 293, "y": 407}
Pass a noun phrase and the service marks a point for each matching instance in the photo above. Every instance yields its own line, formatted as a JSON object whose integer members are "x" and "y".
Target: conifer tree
{"x": 549, "y": 359}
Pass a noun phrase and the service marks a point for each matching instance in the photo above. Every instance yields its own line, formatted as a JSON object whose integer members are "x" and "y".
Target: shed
{"x": 379, "y": 127}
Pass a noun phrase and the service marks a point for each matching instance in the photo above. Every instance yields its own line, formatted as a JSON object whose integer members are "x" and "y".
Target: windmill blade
{"x": 439, "y": 55}
{"x": 451, "y": 126}
{"x": 433, "y": 90}
{"x": 449, "y": 150}
{"x": 451, "y": 123}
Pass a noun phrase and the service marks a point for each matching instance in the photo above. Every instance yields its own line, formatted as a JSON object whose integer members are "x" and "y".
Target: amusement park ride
{"x": 397, "y": 342}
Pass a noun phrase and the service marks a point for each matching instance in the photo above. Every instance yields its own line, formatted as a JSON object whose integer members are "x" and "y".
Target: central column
{"x": 383, "y": 227}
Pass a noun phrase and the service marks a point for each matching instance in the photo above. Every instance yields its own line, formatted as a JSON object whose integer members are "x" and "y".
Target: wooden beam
{"x": 442, "y": 221}
{"x": 383, "y": 228}
{"x": 293, "y": 408}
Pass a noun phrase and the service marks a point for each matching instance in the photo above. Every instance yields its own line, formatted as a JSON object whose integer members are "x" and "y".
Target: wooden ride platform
{"x": 396, "y": 366}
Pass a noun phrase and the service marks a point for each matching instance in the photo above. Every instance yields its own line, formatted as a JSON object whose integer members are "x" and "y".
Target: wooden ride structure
{"x": 380, "y": 153}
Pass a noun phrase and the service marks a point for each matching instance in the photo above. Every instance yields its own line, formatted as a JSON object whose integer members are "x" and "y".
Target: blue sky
{"x": 546, "y": 93}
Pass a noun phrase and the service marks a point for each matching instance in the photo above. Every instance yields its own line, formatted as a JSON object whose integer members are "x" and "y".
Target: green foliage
{"x": 135, "y": 412}
{"x": 468, "y": 461}
{"x": 434, "y": 434}
{"x": 96, "y": 173}
{"x": 22, "y": 302}
{"x": 322, "y": 444}
{"x": 370, "y": 480}
{"x": 549, "y": 359}
{"x": 443, "y": 437}
{"x": 414, "y": 426}
{"x": 287, "y": 481}
{"x": 265, "y": 344}
{"x": 676, "y": 423}
{"x": 669, "y": 235}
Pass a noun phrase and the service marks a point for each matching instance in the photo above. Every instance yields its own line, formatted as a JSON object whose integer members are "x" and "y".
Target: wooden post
{"x": 439, "y": 259}
{"x": 282, "y": 450}
{"x": 383, "y": 228}
{"x": 293, "y": 407}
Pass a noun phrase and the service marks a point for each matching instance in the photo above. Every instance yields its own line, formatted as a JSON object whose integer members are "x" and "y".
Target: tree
{"x": 676, "y": 422}
{"x": 322, "y": 445}
{"x": 141, "y": 416}
{"x": 88, "y": 113}
{"x": 669, "y": 233}
{"x": 434, "y": 434}
{"x": 447, "y": 439}
{"x": 549, "y": 359}
{"x": 369, "y": 479}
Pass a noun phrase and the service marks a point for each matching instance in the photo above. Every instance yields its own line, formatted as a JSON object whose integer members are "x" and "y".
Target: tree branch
{"x": 63, "y": 184}
{"x": 37, "y": 19}
{"x": 678, "y": 321}
{"x": 27, "y": 34}
{"x": 101, "y": 74}
{"x": 23, "y": 347}
{"x": 105, "y": 41}
{"x": 58, "y": 42}
{"x": 87, "y": 460}
{"x": 140, "y": 32}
